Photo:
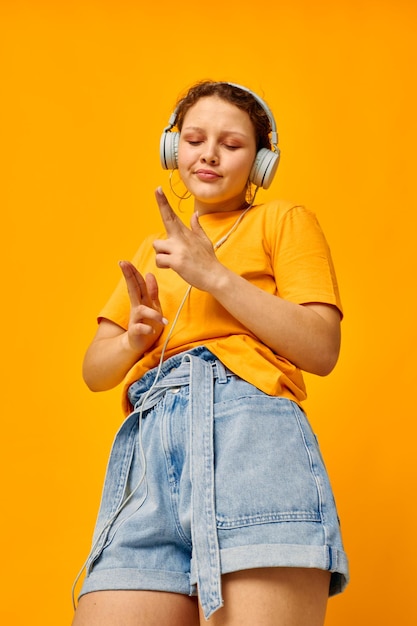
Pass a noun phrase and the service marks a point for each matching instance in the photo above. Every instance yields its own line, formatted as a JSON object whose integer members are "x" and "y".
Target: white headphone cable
{"x": 112, "y": 519}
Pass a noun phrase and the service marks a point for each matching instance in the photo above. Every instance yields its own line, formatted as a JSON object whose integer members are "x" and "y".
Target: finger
{"x": 135, "y": 283}
{"x": 172, "y": 223}
{"x": 197, "y": 229}
{"x": 152, "y": 287}
{"x": 153, "y": 292}
{"x": 196, "y": 226}
{"x": 144, "y": 316}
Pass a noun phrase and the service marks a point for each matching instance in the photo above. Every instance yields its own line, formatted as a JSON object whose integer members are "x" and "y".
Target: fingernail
{"x": 165, "y": 321}
{"x": 159, "y": 191}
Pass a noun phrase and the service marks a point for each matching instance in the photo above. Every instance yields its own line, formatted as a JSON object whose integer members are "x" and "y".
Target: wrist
{"x": 132, "y": 352}
{"x": 220, "y": 280}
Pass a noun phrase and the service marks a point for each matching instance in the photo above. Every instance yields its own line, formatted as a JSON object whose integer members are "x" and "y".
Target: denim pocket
{"x": 267, "y": 464}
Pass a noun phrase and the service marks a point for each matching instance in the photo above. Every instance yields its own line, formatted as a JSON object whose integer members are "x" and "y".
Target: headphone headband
{"x": 274, "y": 133}
{"x": 266, "y": 161}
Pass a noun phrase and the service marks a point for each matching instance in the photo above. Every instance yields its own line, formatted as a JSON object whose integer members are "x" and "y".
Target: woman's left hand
{"x": 188, "y": 251}
{"x": 308, "y": 334}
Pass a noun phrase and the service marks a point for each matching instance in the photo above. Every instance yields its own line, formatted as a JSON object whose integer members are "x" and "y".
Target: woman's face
{"x": 216, "y": 151}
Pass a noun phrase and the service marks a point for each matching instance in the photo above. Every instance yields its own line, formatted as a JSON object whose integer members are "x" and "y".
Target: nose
{"x": 209, "y": 155}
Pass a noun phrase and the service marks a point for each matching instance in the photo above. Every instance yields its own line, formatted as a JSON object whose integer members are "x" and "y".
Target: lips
{"x": 207, "y": 175}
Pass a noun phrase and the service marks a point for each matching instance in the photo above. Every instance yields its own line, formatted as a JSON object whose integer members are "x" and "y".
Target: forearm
{"x": 308, "y": 336}
{"x": 107, "y": 361}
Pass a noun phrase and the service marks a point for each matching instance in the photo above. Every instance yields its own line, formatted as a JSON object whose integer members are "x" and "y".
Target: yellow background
{"x": 86, "y": 88}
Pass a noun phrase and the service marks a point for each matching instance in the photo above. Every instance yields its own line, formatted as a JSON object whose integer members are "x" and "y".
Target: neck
{"x": 202, "y": 208}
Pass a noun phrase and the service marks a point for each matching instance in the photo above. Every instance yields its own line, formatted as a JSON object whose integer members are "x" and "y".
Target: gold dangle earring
{"x": 250, "y": 197}
{"x": 187, "y": 193}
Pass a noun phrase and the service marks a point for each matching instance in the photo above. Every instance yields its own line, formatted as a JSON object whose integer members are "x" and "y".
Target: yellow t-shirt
{"x": 277, "y": 246}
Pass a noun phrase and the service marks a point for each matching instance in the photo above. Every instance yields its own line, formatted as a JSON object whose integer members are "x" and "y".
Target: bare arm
{"x": 114, "y": 350}
{"x": 307, "y": 335}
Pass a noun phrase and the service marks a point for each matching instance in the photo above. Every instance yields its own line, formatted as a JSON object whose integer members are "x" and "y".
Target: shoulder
{"x": 288, "y": 226}
{"x": 279, "y": 214}
{"x": 281, "y": 208}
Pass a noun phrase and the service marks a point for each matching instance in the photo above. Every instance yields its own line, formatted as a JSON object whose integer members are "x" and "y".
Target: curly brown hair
{"x": 233, "y": 94}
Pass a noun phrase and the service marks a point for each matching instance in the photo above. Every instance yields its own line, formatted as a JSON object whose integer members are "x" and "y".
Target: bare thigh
{"x": 136, "y": 608}
{"x": 273, "y": 597}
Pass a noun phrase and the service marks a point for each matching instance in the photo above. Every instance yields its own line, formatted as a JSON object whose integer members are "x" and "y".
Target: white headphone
{"x": 265, "y": 163}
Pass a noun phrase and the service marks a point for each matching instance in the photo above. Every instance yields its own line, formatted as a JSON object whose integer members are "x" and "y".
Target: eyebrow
{"x": 225, "y": 132}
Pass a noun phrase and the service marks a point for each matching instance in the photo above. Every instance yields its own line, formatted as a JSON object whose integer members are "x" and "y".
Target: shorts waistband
{"x": 175, "y": 372}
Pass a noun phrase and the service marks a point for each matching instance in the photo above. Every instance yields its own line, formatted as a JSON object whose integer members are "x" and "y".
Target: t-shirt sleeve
{"x": 302, "y": 260}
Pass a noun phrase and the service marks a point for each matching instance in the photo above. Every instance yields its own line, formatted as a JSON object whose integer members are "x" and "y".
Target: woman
{"x": 216, "y": 488}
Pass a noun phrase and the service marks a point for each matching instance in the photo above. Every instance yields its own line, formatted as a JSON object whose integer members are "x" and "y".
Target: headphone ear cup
{"x": 264, "y": 168}
{"x": 168, "y": 150}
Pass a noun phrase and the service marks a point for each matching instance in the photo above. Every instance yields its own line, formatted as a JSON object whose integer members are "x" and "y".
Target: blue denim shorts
{"x": 207, "y": 476}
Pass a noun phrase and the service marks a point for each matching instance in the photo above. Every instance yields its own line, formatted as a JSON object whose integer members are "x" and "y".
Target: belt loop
{"x": 206, "y": 551}
{"x": 221, "y": 372}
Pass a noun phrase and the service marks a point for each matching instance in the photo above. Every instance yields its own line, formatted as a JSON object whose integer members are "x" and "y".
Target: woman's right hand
{"x": 115, "y": 350}
{"x": 146, "y": 321}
